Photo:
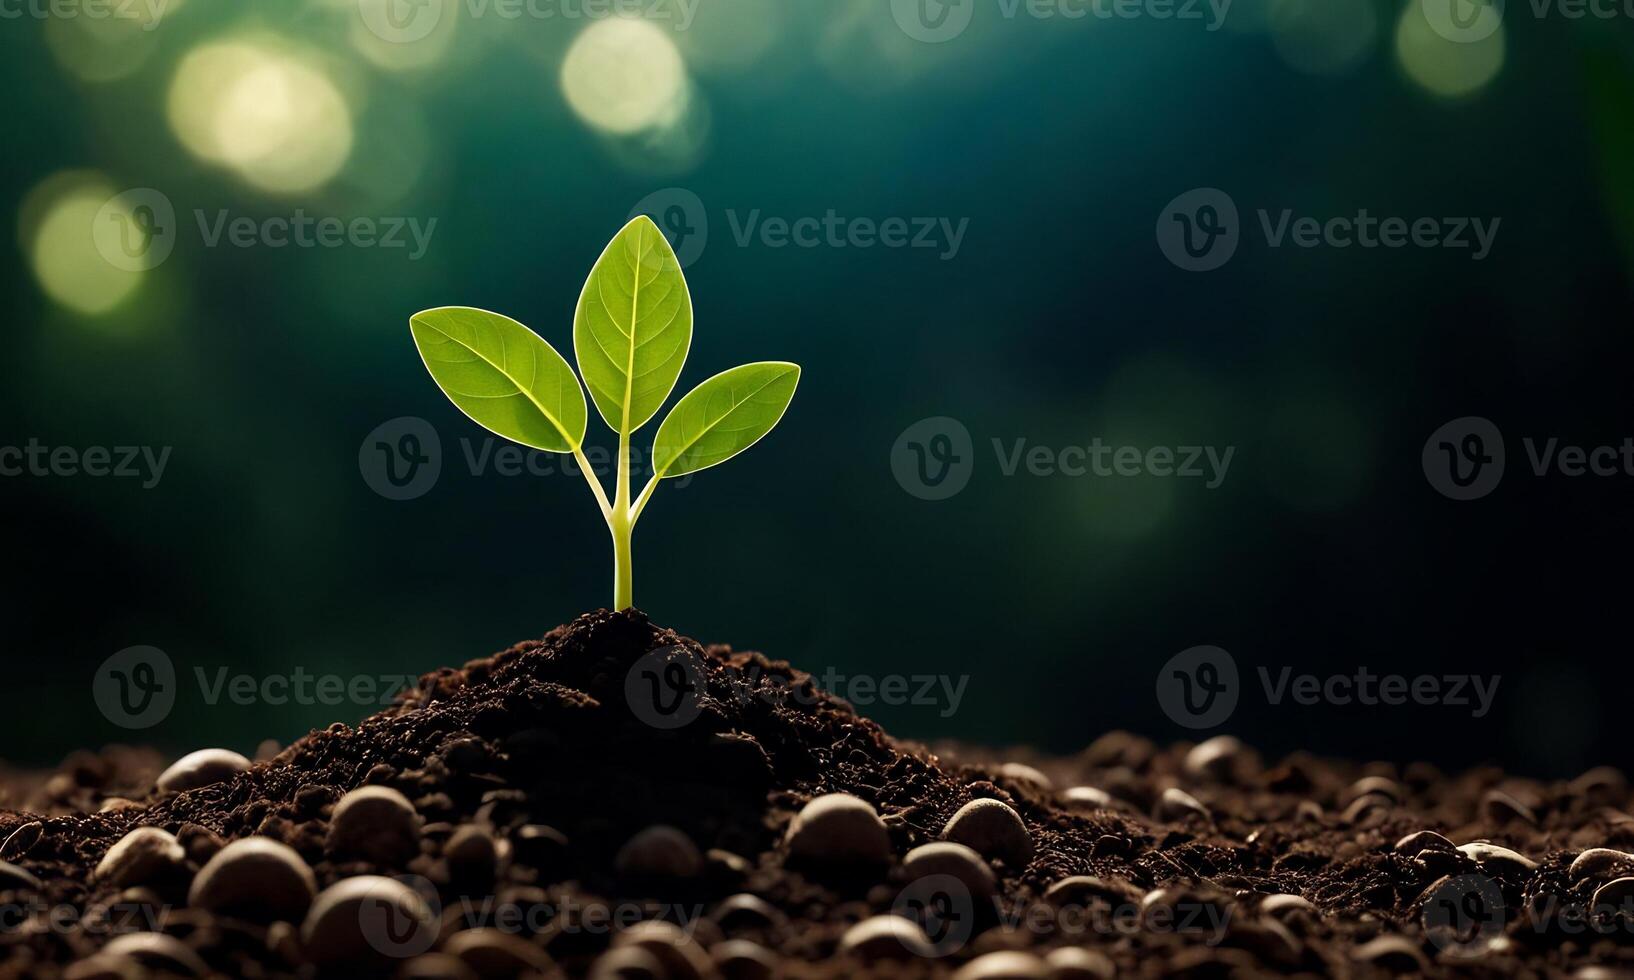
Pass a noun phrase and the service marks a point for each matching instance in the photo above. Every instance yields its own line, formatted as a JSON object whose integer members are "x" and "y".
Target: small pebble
{"x": 1176, "y": 805}
{"x": 1502, "y": 808}
{"x": 539, "y": 846}
{"x": 1278, "y": 906}
{"x": 839, "y": 827}
{"x": 1020, "y": 772}
{"x": 740, "y": 959}
{"x": 885, "y": 937}
{"x": 1423, "y": 840}
{"x": 158, "y": 951}
{"x": 1598, "y": 862}
{"x": 374, "y": 822}
{"x": 627, "y": 963}
{"x": 1616, "y": 895}
{"x": 435, "y": 966}
{"x": 1373, "y": 784}
{"x": 1087, "y": 798}
{"x": 1006, "y": 964}
{"x": 472, "y": 855}
{"x": 1213, "y": 759}
{"x": 660, "y": 851}
{"x": 746, "y": 911}
{"x": 19, "y": 841}
{"x": 103, "y": 966}
{"x": 1078, "y": 889}
{"x": 11, "y": 876}
{"x": 140, "y": 856}
{"x": 201, "y": 768}
{"x": 679, "y": 954}
{"x": 957, "y": 860}
{"x": 1599, "y": 781}
{"x": 347, "y": 915}
{"x": 1496, "y": 857}
{"x": 1366, "y": 808}
{"x": 1077, "y": 963}
{"x": 492, "y": 953}
{"x": 258, "y": 877}
{"x": 992, "y": 829}
{"x": 1392, "y": 952}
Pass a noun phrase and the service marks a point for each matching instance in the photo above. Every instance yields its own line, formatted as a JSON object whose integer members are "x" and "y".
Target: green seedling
{"x": 631, "y": 334}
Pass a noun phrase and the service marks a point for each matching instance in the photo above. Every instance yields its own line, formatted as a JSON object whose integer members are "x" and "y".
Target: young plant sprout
{"x": 631, "y": 333}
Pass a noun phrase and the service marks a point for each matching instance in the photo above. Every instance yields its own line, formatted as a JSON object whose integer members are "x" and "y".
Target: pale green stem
{"x": 595, "y": 485}
{"x": 621, "y": 524}
{"x": 641, "y": 501}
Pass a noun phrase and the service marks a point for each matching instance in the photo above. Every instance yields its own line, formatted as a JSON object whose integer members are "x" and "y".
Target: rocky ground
{"x": 615, "y": 800}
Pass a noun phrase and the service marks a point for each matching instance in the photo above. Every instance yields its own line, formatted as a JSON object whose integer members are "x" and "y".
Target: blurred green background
{"x": 529, "y": 134}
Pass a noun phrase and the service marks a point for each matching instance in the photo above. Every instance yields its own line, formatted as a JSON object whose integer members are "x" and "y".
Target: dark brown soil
{"x": 545, "y": 734}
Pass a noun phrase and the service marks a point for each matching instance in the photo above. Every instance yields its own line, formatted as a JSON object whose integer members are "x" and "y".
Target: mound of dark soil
{"x": 530, "y": 772}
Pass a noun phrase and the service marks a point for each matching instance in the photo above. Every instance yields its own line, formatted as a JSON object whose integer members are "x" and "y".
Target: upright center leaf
{"x": 633, "y": 326}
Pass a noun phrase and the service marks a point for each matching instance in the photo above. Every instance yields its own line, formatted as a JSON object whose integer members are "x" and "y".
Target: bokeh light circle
{"x": 624, "y": 75}
{"x": 1446, "y": 67}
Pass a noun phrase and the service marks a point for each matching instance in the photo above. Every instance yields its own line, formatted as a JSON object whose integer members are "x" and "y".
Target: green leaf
{"x": 723, "y": 416}
{"x": 633, "y": 326}
{"x": 503, "y": 375}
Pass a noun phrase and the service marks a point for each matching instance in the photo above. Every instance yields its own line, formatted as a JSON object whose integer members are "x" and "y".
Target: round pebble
{"x": 1281, "y": 905}
{"x": 1077, "y": 963}
{"x": 1500, "y": 807}
{"x": 885, "y": 937}
{"x": 257, "y": 876}
{"x": 992, "y": 829}
{"x": 102, "y": 966}
{"x": 1006, "y": 964}
{"x": 472, "y": 855}
{"x": 435, "y": 966}
{"x": 1176, "y": 805}
{"x": 1214, "y": 758}
{"x": 1020, "y": 772}
{"x": 839, "y": 827}
{"x": 1374, "y": 784}
{"x": 491, "y": 953}
{"x": 740, "y": 959}
{"x": 1087, "y": 798}
{"x": 950, "y": 858}
{"x": 746, "y": 911}
{"x": 1598, "y": 862}
{"x": 1392, "y": 952}
{"x": 201, "y": 768}
{"x": 1081, "y": 889}
{"x": 1616, "y": 895}
{"x": 348, "y": 919}
{"x": 1497, "y": 857}
{"x": 660, "y": 851}
{"x": 374, "y": 822}
{"x": 1423, "y": 840}
{"x": 140, "y": 856}
{"x": 158, "y": 951}
{"x": 627, "y": 963}
{"x": 678, "y": 953}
